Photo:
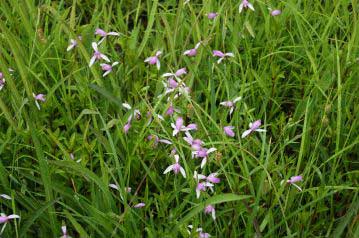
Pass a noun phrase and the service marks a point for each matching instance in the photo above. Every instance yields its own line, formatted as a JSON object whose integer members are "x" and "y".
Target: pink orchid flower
{"x": 228, "y": 130}
{"x": 176, "y": 167}
{"x": 73, "y": 43}
{"x": 5, "y": 196}
{"x": 108, "y": 68}
{"x": 180, "y": 127}
{"x": 39, "y": 98}
{"x": 231, "y": 104}
{"x": 295, "y": 179}
{"x": 139, "y": 205}
{"x": 209, "y": 183}
{"x": 196, "y": 144}
{"x": 245, "y": 4}
{"x": 104, "y": 34}
{"x": 177, "y": 74}
{"x": 203, "y": 153}
{"x": 171, "y": 110}
{"x": 97, "y": 55}
{"x": 201, "y": 187}
{"x": 127, "y": 127}
{"x": 64, "y": 232}
{"x": 213, "y": 178}
{"x": 154, "y": 60}
{"x": 4, "y": 218}
{"x": 212, "y": 15}
{"x": 210, "y": 209}
{"x": 222, "y": 55}
{"x": 192, "y": 52}
{"x": 275, "y": 12}
{"x": 253, "y": 127}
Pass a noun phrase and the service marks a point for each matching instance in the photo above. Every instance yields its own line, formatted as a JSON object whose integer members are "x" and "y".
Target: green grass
{"x": 298, "y": 72}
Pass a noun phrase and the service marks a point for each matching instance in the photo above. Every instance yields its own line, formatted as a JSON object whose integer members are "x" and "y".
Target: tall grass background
{"x": 298, "y": 72}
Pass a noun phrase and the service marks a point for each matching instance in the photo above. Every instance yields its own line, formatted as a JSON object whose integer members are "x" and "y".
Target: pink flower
{"x": 64, "y": 232}
{"x": 171, "y": 110}
{"x": 176, "y": 167}
{"x": 275, "y": 12}
{"x": 97, "y": 55}
{"x": 177, "y": 74}
{"x": 222, "y": 55}
{"x": 192, "y": 52}
{"x": 73, "y": 43}
{"x": 213, "y": 178}
{"x": 126, "y": 127}
{"x": 245, "y": 4}
{"x": 39, "y": 98}
{"x": 108, "y": 68}
{"x": 203, "y": 235}
{"x": 154, "y": 60}
{"x": 172, "y": 83}
{"x": 228, "y": 130}
{"x": 253, "y": 127}
{"x": 4, "y": 218}
{"x": 201, "y": 187}
{"x": 203, "y": 153}
{"x": 210, "y": 209}
{"x": 212, "y": 15}
{"x": 231, "y": 104}
{"x": 139, "y": 205}
{"x": 104, "y": 34}
{"x": 293, "y": 180}
{"x": 180, "y": 127}
{"x": 195, "y": 144}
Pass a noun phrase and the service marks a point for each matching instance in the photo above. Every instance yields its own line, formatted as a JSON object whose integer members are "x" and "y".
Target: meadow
{"x": 175, "y": 118}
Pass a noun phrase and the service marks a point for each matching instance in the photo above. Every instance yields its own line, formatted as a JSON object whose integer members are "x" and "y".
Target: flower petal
{"x": 169, "y": 168}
